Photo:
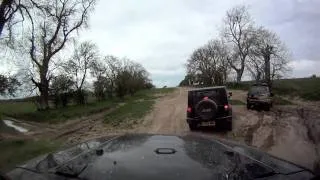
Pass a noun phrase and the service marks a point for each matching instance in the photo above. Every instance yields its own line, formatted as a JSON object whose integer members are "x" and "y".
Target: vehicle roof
{"x": 260, "y": 84}
{"x": 147, "y": 156}
{"x": 208, "y": 88}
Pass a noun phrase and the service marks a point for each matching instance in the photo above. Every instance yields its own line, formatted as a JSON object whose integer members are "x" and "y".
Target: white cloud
{"x": 161, "y": 34}
{"x": 304, "y": 68}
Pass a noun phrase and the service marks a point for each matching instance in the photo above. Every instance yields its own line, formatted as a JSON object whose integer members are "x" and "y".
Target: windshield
{"x": 259, "y": 90}
{"x": 218, "y": 95}
{"x": 77, "y": 70}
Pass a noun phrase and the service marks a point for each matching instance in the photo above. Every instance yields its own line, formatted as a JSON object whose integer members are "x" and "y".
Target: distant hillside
{"x": 27, "y": 99}
{"x": 306, "y": 88}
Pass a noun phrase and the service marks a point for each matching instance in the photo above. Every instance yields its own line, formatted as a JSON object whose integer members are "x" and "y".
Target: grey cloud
{"x": 296, "y": 22}
{"x": 162, "y": 34}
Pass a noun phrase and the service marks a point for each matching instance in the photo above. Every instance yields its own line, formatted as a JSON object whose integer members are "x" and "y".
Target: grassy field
{"x": 14, "y": 152}
{"x": 129, "y": 113}
{"x": 305, "y": 88}
{"x": 236, "y": 102}
{"x": 277, "y": 100}
{"x": 135, "y": 107}
{"x": 17, "y": 151}
{"x": 27, "y": 110}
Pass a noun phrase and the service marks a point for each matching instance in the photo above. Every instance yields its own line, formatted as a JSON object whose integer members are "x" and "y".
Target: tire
{"x": 228, "y": 126}
{"x": 248, "y": 106}
{"x": 206, "y": 109}
{"x": 193, "y": 126}
{"x": 224, "y": 126}
{"x": 267, "y": 107}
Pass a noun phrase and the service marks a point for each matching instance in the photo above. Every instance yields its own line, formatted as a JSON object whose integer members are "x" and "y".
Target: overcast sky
{"x": 161, "y": 34}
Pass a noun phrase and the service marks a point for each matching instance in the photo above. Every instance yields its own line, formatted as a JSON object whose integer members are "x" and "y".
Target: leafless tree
{"x": 138, "y": 77}
{"x": 113, "y": 68}
{"x": 209, "y": 63}
{"x": 8, "y": 11}
{"x": 8, "y": 85}
{"x": 218, "y": 54}
{"x": 61, "y": 89}
{"x": 79, "y": 65}
{"x": 268, "y": 56}
{"x": 106, "y": 71}
{"x": 13, "y": 13}
{"x": 237, "y": 31}
{"x": 55, "y": 24}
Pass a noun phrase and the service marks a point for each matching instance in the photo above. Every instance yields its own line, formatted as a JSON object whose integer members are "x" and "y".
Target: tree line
{"x": 242, "y": 47}
{"x": 49, "y": 27}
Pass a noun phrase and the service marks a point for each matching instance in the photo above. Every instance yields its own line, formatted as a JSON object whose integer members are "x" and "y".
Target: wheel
{"x": 228, "y": 126}
{"x": 267, "y": 107}
{"x": 206, "y": 109}
{"x": 248, "y": 106}
{"x": 193, "y": 126}
{"x": 224, "y": 125}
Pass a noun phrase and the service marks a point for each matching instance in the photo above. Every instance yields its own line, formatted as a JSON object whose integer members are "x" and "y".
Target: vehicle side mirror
{"x": 271, "y": 94}
{"x": 230, "y": 94}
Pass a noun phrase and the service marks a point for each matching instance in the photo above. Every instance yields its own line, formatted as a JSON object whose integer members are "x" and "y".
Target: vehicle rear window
{"x": 259, "y": 90}
{"x": 218, "y": 95}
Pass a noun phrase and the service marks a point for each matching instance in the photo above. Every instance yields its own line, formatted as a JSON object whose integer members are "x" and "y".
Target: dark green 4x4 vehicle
{"x": 209, "y": 107}
{"x": 259, "y": 96}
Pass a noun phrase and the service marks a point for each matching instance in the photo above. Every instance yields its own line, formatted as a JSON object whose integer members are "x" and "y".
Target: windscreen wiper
{"x": 70, "y": 173}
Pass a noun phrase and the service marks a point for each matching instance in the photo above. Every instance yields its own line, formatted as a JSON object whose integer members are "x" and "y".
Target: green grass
{"x": 150, "y": 93}
{"x": 236, "y": 102}
{"x": 18, "y": 151}
{"x": 163, "y": 90}
{"x": 305, "y": 88}
{"x": 14, "y": 108}
{"x": 62, "y": 114}
{"x": 277, "y": 100}
{"x": 135, "y": 107}
{"x": 27, "y": 110}
{"x": 129, "y": 113}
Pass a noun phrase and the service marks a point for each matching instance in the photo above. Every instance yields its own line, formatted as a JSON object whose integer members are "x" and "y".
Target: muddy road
{"x": 281, "y": 132}
{"x": 289, "y": 132}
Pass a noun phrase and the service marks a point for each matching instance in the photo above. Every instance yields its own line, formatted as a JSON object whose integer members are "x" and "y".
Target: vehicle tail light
{"x": 189, "y": 109}
{"x": 226, "y": 107}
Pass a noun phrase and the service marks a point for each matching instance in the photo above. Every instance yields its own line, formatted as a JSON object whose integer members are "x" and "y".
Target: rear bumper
{"x": 259, "y": 102}
{"x": 198, "y": 120}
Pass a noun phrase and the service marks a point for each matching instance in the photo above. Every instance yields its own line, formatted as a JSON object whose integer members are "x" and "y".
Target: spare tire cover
{"x": 206, "y": 109}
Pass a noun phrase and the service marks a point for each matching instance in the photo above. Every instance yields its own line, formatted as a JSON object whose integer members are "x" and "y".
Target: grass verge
{"x": 277, "y": 100}
{"x": 305, "y": 88}
{"x": 15, "y": 152}
{"x": 27, "y": 110}
{"x": 236, "y": 102}
{"x": 129, "y": 113}
{"x": 135, "y": 107}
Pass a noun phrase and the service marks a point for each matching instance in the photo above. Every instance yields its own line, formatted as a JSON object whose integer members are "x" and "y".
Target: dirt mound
{"x": 282, "y": 132}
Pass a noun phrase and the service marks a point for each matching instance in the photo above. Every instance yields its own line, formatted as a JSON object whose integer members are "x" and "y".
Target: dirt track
{"x": 168, "y": 116}
{"x": 281, "y": 132}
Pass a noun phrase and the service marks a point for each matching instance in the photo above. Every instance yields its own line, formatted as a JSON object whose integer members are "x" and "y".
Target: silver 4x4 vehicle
{"x": 259, "y": 96}
{"x": 209, "y": 107}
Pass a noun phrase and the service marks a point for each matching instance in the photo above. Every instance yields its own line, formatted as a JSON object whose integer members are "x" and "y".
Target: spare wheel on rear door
{"x": 206, "y": 109}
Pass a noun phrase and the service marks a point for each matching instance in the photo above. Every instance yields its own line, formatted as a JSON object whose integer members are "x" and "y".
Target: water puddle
{"x": 18, "y": 128}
